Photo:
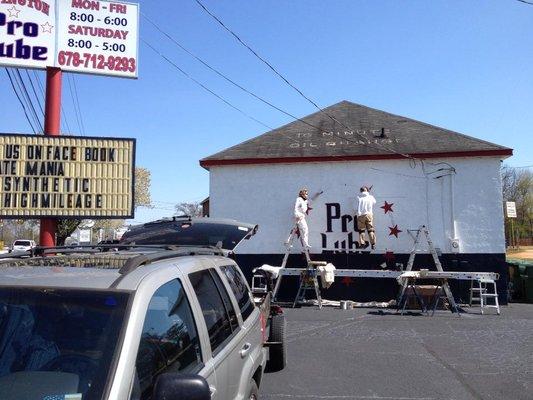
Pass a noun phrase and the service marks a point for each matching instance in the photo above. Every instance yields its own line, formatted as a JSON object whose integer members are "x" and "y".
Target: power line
{"x": 20, "y": 101}
{"x": 63, "y": 113}
{"x": 270, "y": 104}
{"x": 216, "y": 71}
{"x": 256, "y": 54}
{"x": 74, "y": 104}
{"x": 78, "y": 103}
{"x": 29, "y": 102}
{"x": 412, "y": 160}
{"x": 245, "y": 90}
{"x": 364, "y": 141}
{"x": 35, "y": 93}
{"x": 269, "y": 65}
{"x": 203, "y": 86}
{"x": 526, "y": 2}
{"x": 281, "y": 76}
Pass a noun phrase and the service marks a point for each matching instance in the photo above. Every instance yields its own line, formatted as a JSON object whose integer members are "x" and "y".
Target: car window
{"x": 22, "y": 243}
{"x": 227, "y": 302}
{"x": 169, "y": 340}
{"x": 240, "y": 289}
{"x": 213, "y": 308}
{"x": 65, "y": 336}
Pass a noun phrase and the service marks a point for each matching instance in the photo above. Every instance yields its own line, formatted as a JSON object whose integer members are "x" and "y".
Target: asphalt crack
{"x": 459, "y": 376}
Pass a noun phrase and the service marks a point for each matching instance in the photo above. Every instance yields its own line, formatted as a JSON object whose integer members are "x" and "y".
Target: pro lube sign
{"x": 96, "y": 37}
{"x": 27, "y": 34}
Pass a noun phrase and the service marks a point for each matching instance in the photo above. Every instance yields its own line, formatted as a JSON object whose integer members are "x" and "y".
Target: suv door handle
{"x": 245, "y": 350}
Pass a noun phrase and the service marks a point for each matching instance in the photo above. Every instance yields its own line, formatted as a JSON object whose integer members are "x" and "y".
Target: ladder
{"x": 480, "y": 293}
{"x": 308, "y": 276}
{"x": 309, "y": 281}
{"x": 445, "y": 286}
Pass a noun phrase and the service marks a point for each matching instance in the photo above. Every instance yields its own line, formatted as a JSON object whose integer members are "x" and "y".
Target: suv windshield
{"x": 57, "y": 344}
{"x": 22, "y": 243}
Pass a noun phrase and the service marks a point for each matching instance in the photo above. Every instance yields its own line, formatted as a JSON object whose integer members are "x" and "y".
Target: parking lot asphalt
{"x": 364, "y": 354}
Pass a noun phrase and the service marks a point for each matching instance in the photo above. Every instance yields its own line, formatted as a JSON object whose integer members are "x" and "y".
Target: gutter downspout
{"x": 452, "y": 206}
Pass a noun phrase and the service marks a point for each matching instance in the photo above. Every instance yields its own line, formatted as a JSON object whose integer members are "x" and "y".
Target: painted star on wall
{"x": 387, "y": 207}
{"x": 389, "y": 256}
{"x": 394, "y": 230}
{"x": 346, "y": 281}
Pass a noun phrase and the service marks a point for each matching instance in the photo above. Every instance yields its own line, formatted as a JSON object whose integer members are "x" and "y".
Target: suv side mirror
{"x": 176, "y": 386}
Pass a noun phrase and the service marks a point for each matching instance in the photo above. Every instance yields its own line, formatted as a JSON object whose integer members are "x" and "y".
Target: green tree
{"x": 517, "y": 186}
{"x": 65, "y": 227}
{"x": 13, "y": 229}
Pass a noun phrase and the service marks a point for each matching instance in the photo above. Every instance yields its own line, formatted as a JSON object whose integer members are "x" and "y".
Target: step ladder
{"x": 309, "y": 282}
{"x": 480, "y": 293}
{"x": 423, "y": 230}
{"x": 308, "y": 276}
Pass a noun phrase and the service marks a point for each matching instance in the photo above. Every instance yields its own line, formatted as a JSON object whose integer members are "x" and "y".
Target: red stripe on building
{"x": 290, "y": 160}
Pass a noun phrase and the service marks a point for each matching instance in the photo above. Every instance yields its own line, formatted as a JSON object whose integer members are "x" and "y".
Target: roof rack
{"x": 135, "y": 262}
{"x": 84, "y": 260}
{"x": 91, "y": 249}
{"x": 83, "y": 256}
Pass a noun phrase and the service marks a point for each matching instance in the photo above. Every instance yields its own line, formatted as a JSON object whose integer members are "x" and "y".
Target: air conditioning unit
{"x": 456, "y": 245}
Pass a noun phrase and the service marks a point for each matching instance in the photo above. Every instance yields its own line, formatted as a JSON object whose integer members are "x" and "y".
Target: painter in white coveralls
{"x": 365, "y": 217}
{"x": 300, "y": 213}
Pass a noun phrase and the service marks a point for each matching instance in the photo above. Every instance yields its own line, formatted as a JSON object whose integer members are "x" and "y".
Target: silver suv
{"x": 139, "y": 322}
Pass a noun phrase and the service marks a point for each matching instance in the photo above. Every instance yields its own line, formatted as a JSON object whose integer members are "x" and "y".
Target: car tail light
{"x": 276, "y": 310}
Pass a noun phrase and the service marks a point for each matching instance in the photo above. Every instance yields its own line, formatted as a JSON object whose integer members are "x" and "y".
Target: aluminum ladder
{"x": 480, "y": 293}
{"x": 445, "y": 286}
{"x": 308, "y": 276}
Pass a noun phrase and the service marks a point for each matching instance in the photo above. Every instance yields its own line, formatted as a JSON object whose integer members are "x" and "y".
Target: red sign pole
{"x": 52, "y": 126}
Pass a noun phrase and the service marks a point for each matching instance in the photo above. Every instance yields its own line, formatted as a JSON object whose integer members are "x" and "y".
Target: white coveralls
{"x": 365, "y": 218}
{"x": 300, "y": 212}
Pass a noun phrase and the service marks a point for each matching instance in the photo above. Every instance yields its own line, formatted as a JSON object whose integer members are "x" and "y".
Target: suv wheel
{"x": 253, "y": 395}
{"x": 277, "y": 352}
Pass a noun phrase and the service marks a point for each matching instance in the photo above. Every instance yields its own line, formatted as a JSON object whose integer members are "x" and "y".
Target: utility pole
{"x": 52, "y": 127}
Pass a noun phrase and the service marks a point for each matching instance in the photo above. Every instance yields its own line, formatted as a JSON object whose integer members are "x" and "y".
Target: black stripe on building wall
{"x": 380, "y": 289}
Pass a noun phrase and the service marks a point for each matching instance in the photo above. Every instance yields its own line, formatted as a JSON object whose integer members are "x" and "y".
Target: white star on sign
{"x": 47, "y": 27}
{"x": 14, "y": 12}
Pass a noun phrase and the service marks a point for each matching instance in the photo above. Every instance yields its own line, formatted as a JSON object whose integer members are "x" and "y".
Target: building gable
{"x": 349, "y": 131}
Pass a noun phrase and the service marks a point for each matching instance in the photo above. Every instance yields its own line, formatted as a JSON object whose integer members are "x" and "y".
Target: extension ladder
{"x": 308, "y": 276}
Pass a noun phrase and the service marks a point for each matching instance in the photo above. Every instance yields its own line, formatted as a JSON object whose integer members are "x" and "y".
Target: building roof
{"x": 372, "y": 134}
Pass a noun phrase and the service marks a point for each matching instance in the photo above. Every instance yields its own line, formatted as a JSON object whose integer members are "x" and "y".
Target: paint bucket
{"x": 346, "y": 305}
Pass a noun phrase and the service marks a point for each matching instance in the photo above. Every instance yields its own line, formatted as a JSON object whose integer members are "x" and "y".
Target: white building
{"x": 420, "y": 175}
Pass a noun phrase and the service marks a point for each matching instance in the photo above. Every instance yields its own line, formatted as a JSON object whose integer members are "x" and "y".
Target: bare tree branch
{"x": 189, "y": 209}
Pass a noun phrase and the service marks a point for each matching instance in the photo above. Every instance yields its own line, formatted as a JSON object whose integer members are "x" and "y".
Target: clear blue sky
{"x": 463, "y": 65}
